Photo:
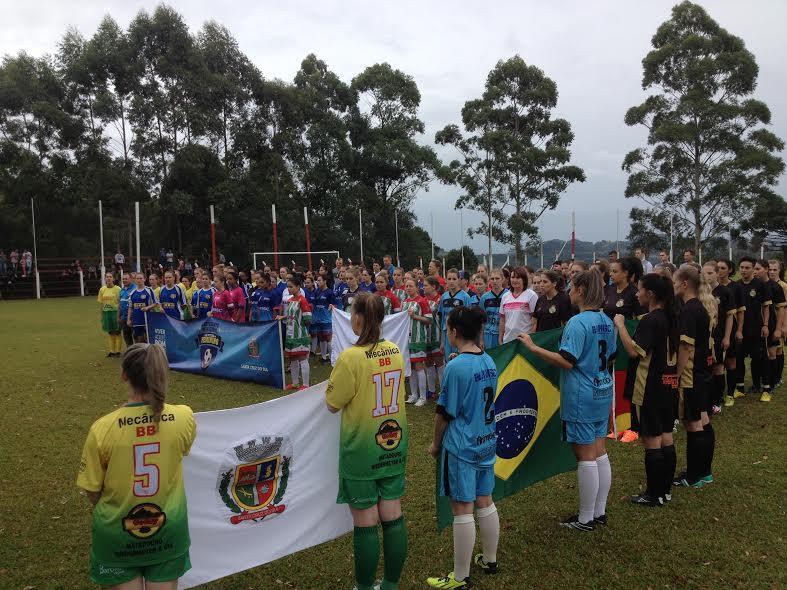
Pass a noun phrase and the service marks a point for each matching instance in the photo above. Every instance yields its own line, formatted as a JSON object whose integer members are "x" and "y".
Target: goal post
{"x": 300, "y": 258}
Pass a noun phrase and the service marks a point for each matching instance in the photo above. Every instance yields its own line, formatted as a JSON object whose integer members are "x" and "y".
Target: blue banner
{"x": 217, "y": 348}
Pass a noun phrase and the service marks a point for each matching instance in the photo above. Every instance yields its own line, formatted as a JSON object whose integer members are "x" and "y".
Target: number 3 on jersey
{"x": 381, "y": 382}
{"x": 146, "y": 474}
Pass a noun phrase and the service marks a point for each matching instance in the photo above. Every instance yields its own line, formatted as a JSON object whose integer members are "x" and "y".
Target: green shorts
{"x": 365, "y": 493}
{"x": 166, "y": 571}
{"x": 109, "y": 321}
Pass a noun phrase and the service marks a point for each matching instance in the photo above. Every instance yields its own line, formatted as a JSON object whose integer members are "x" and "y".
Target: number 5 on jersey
{"x": 146, "y": 473}
{"x": 381, "y": 382}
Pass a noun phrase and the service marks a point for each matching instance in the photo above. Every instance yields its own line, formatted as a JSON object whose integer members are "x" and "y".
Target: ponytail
{"x": 664, "y": 292}
{"x": 592, "y": 288}
{"x": 146, "y": 367}
{"x": 700, "y": 284}
{"x": 372, "y": 312}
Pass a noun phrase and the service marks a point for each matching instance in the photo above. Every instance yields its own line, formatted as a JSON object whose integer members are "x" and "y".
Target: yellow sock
{"x": 110, "y": 343}
{"x": 117, "y": 342}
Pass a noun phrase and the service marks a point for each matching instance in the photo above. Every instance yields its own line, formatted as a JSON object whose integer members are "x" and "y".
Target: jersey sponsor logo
{"x": 144, "y": 520}
{"x": 389, "y": 435}
{"x": 516, "y": 416}
{"x": 753, "y": 293}
{"x": 209, "y": 342}
{"x": 619, "y": 303}
{"x": 253, "y": 478}
{"x": 552, "y": 309}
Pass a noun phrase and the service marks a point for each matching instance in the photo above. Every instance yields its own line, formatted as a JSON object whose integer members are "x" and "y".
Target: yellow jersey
{"x": 109, "y": 298}
{"x": 367, "y": 384}
{"x": 134, "y": 459}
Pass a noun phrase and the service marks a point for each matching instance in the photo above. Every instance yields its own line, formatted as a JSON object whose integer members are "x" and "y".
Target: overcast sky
{"x": 592, "y": 50}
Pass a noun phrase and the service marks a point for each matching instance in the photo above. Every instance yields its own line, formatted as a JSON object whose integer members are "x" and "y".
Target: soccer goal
{"x": 299, "y": 259}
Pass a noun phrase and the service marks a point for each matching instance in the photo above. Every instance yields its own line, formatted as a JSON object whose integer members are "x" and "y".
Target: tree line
{"x": 179, "y": 120}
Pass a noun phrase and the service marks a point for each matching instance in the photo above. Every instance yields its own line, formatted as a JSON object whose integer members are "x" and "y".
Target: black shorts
{"x": 752, "y": 345}
{"x": 140, "y": 331}
{"x": 775, "y": 342}
{"x": 653, "y": 419}
{"x": 719, "y": 354}
{"x": 692, "y": 403}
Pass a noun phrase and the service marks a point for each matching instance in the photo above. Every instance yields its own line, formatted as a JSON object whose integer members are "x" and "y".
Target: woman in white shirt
{"x": 517, "y": 307}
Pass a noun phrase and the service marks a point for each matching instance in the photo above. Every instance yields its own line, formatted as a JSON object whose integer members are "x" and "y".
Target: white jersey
{"x": 518, "y": 312}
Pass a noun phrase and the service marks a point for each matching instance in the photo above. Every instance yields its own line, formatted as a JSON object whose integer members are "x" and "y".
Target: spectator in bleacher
{"x": 120, "y": 261}
{"x": 170, "y": 258}
{"x": 162, "y": 256}
{"x": 181, "y": 264}
{"x": 14, "y": 258}
{"x": 3, "y": 263}
{"x": 27, "y": 262}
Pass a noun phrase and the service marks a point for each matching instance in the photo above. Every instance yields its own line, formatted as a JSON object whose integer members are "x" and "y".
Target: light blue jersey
{"x": 321, "y": 302}
{"x": 490, "y": 303}
{"x": 586, "y": 391}
{"x": 468, "y": 394}
{"x": 449, "y": 302}
{"x": 125, "y": 297}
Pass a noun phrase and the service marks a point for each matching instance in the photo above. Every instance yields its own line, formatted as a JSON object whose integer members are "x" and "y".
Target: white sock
{"x": 440, "y": 374}
{"x": 324, "y": 349}
{"x": 464, "y": 541}
{"x": 604, "y": 484}
{"x": 431, "y": 378}
{"x": 295, "y": 371}
{"x": 489, "y": 527}
{"x": 587, "y": 475}
{"x": 314, "y": 344}
{"x": 421, "y": 377}
{"x": 305, "y": 371}
{"x": 414, "y": 384}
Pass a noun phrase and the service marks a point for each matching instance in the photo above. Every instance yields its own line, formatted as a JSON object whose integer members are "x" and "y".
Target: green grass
{"x": 56, "y": 381}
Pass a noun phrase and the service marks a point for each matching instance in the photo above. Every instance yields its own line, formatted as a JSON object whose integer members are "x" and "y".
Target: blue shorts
{"x": 490, "y": 340}
{"x": 448, "y": 350}
{"x": 321, "y": 328}
{"x": 140, "y": 331}
{"x": 464, "y": 482}
{"x": 585, "y": 433}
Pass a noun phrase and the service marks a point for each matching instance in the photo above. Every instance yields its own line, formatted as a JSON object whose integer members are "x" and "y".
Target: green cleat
{"x": 729, "y": 401}
{"x": 707, "y": 479}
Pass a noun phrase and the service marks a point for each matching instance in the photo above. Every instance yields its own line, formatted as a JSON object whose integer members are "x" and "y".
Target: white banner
{"x": 261, "y": 483}
{"x": 396, "y": 329}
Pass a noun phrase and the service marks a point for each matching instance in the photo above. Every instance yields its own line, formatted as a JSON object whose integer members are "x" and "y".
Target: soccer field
{"x": 56, "y": 381}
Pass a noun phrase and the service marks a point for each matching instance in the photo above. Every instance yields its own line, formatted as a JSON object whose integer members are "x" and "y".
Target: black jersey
{"x": 777, "y": 302}
{"x": 725, "y": 300}
{"x": 651, "y": 374}
{"x": 755, "y": 296}
{"x": 694, "y": 326}
{"x": 623, "y": 303}
{"x": 553, "y": 313}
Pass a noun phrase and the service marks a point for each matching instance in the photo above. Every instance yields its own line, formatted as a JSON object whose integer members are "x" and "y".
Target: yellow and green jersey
{"x": 134, "y": 459}
{"x": 109, "y": 298}
{"x": 367, "y": 384}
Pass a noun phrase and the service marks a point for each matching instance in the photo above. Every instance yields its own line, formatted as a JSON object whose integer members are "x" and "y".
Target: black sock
{"x": 710, "y": 448}
{"x": 718, "y": 389}
{"x": 694, "y": 453}
{"x": 654, "y": 470}
{"x": 732, "y": 376}
{"x": 768, "y": 372}
{"x": 670, "y": 461}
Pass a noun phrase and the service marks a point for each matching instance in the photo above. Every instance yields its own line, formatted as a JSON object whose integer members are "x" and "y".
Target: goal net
{"x": 299, "y": 260}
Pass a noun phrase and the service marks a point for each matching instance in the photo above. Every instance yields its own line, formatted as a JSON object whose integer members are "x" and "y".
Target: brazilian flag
{"x": 527, "y": 417}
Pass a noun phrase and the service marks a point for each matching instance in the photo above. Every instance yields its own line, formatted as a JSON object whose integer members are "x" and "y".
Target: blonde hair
{"x": 146, "y": 367}
{"x": 690, "y": 273}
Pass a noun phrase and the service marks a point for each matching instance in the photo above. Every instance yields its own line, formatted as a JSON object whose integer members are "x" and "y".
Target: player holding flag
{"x": 367, "y": 385}
{"x": 131, "y": 469}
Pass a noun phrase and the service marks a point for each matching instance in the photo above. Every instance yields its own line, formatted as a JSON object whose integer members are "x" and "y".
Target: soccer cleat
{"x": 682, "y": 481}
{"x": 488, "y": 567}
{"x": 449, "y": 582}
{"x": 668, "y": 497}
{"x": 611, "y": 435}
{"x": 706, "y": 479}
{"x": 431, "y": 394}
{"x": 421, "y": 402}
{"x": 292, "y": 387}
{"x": 645, "y": 499}
{"x": 302, "y": 387}
{"x": 738, "y": 393}
{"x": 375, "y": 587}
{"x": 573, "y": 523}
{"x": 716, "y": 409}
{"x": 628, "y": 436}
{"x": 765, "y": 397}
{"x": 412, "y": 399}
{"x": 110, "y": 354}
{"x": 601, "y": 520}
{"x": 729, "y": 401}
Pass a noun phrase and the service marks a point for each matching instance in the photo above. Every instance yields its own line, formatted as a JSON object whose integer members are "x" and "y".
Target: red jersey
{"x": 220, "y": 309}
